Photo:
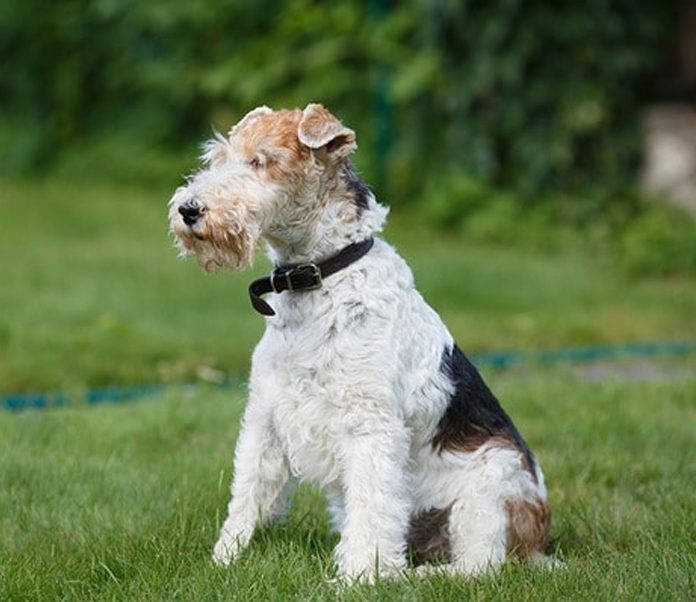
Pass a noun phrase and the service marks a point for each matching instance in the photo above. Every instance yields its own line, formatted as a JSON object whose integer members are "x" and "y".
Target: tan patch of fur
{"x": 350, "y": 211}
{"x": 238, "y": 243}
{"x": 528, "y": 526}
{"x": 473, "y": 442}
{"x": 215, "y": 246}
{"x": 275, "y": 136}
{"x": 445, "y": 440}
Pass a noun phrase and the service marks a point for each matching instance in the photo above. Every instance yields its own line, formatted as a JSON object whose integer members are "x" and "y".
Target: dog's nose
{"x": 190, "y": 212}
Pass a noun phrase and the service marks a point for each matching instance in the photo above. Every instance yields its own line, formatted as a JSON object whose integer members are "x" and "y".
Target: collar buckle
{"x": 304, "y": 277}
{"x": 311, "y": 270}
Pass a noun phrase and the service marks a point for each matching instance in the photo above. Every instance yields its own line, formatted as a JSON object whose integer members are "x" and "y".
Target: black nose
{"x": 190, "y": 212}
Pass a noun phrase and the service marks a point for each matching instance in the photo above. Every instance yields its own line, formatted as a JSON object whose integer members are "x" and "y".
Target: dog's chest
{"x": 311, "y": 430}
{"x": 310, "y": 416}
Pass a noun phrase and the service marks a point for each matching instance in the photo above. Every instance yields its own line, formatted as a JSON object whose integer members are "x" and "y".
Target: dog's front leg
{"x": 261, "y": 473}
{"x": 377, "y": 504}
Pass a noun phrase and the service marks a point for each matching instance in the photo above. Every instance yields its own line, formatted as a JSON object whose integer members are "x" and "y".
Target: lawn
{"x": 93, "y": 295}
{"x": 122, "y": 502}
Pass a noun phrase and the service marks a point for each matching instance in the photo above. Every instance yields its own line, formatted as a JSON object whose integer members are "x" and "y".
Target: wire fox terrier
{"x": 356, "y": 385}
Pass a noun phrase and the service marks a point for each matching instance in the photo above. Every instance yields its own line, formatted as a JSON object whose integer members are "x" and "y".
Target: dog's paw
{"x": 348, "y": 579}
{"x": 426, "y": 571}
{"x": 229, "y": 545}
{"x": 223, "y": 553}
{"x": 368, "y": 572}
{"x": 368, "y": 577}
{"x": 549, "y": 563}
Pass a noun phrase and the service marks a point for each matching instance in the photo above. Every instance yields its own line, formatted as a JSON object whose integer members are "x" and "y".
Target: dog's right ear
{"x": 249, "y": 117}
{"x": 321, "y": 131}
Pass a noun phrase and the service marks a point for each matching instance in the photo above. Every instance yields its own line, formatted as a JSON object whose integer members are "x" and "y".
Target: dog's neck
{"x": 345, "y": 212}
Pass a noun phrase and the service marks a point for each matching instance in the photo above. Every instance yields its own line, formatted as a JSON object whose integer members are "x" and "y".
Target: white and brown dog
{"x": 356, "y": 385}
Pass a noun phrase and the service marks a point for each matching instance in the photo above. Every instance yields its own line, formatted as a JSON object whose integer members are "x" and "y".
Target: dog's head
{"x": 267, "y": 178}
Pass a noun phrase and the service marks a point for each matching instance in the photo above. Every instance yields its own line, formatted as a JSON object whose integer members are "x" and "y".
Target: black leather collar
{"x": 304, "y": 276}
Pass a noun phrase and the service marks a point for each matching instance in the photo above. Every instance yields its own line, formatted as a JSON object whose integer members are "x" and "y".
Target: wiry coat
{"x": 358, "y": 386}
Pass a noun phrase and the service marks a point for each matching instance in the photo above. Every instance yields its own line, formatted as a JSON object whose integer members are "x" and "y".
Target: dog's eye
{"x": 255, "y": 162}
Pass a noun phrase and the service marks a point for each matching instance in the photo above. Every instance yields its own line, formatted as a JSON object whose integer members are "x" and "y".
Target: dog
{"x": 356, "y": 384}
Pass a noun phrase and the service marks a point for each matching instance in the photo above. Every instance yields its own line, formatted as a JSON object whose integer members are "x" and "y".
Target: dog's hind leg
{"x": 477, "y": 538}
{"x": 477, "y": 535}
{"x": 500, "y": 507}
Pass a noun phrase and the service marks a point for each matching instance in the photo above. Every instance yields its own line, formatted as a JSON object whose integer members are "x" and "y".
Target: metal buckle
{"x": 316, "y": 275}
{"x": 288, "y": 273}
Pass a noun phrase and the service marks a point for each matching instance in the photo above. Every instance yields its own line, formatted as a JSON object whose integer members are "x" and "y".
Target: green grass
{"x": 92, "y": 293}
{"x": 123, "y": 502}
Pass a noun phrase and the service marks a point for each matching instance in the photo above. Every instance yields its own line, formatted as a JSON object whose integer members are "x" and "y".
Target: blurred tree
{"x": 525, "y": 94}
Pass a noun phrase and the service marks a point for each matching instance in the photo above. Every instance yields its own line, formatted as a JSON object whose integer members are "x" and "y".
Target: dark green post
{"x": 382, "y": 111}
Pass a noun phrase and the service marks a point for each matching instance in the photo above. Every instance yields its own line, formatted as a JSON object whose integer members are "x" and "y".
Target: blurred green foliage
{"x": 660, "y": 242}
{"x": 485, "y": 114}
{"x": 527, "y": 94}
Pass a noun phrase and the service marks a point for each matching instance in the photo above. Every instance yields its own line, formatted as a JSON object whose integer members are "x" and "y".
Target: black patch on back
{"x": 360, "y": 191}
{"x": 473, "y": 414}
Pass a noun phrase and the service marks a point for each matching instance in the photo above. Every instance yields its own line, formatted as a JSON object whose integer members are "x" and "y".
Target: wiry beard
{"x": 216, "y": 241}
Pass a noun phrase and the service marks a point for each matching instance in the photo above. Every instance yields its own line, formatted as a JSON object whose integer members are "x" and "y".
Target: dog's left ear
{"x": 320, "y": 130}
{"x": 249, "y": 117}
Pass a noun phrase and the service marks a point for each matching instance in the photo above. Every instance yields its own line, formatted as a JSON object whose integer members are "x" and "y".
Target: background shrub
{"x": 661, "y": 241}
{"x": 526, "y": 94}
{"x": 480, "y": 113}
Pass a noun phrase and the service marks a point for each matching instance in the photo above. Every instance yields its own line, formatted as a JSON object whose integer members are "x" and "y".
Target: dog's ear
{"x": 320, "y": 130}
{"x": 249, "y": 117}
